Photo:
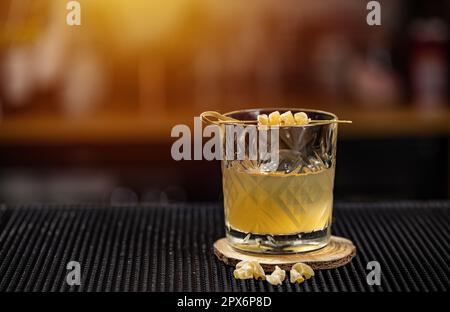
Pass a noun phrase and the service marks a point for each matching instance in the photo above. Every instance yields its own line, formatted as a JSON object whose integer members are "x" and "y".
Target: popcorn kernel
{"x": 296, "y": 277}
{"x": 263, "y": 120}
{"x": 244, "y": 272}
{"x": 301, "y": 118}
{"x": 275, "y": 118}
{"x": 277, "y": 277}
{"x": 300, "y": 272}
{"x": 249, "y": 269}
{"x": 287, "y": 119}
{"x": 303, "y": 269}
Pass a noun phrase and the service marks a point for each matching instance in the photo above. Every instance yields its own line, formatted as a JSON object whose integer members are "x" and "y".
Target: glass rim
{"x": 306, "y": 110}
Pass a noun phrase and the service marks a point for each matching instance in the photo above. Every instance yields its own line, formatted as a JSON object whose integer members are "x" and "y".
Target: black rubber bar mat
{"x": 158, "y": 247}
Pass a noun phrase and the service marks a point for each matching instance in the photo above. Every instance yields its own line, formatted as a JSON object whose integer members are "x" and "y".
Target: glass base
{"x": 278, "y": 244}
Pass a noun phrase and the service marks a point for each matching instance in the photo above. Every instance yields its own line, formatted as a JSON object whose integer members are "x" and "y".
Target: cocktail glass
{"x": 283, "y": 206}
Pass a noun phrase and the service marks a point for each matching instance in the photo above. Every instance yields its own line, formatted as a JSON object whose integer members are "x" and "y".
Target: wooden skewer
{"x": 221, "y": 119}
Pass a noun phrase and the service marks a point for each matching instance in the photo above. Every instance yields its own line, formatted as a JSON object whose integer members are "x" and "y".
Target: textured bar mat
{"x": 169, "y": 248}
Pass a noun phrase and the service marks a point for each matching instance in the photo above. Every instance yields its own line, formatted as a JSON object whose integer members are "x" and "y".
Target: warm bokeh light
{"x": 134, "y": 69}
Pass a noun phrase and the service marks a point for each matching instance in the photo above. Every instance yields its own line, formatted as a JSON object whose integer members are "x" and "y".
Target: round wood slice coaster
{"x": 338, "y": 252}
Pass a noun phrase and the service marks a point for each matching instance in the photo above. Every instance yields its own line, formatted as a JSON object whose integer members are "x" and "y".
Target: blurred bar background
{"x": 86, "y": 111}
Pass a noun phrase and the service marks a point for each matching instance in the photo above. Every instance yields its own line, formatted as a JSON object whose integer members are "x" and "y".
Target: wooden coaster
{"x": 338, "y": 252}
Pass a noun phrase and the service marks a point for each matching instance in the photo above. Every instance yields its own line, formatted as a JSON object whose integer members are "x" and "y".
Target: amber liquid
{"x": 278, "y": 203}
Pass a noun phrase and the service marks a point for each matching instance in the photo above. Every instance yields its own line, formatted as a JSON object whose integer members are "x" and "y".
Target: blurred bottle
{"x": 372, "y": 80}
{"x": 83, "y": 84}
{"x": 31, "y": 63}
{"x": 19, "y": 28}
{"x": 428, "y": 62}
{"x": 16, "y": 81}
